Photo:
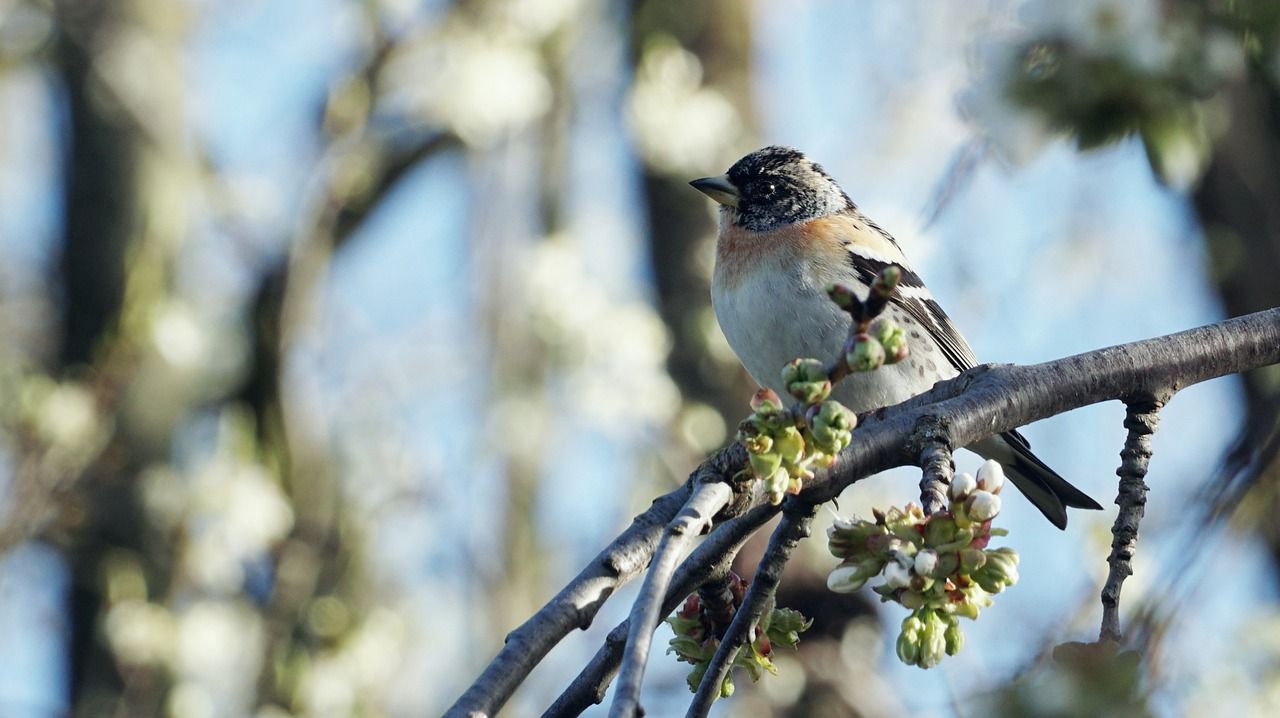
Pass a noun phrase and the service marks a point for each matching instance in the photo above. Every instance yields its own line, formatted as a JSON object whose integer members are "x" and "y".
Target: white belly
{"x": 771, "y": 318}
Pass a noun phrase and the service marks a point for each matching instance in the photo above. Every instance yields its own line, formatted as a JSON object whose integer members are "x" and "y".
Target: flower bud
{"x": 895, "y": 347}
{"x": 999, "y": 572}
{"x": 881, "y": 328}
{"x": 843, "y": 296}
{"x": 909, "y": 640}
{"x": 983, "y": 505}
{"x": 846, "y": 578}
{"x": 867, "y": 354}
{"x": 991, "y": 476}
{"x": 911, "y": 598}
{"x": 933, "y": 640}
{"x": 926, "y": 562}
{"x": 764, "y": 465}
{"x": 896, "y": 575}
{"x": 789, "y": 444}
{"x": 971, "y": 559}
{"x": 962, "y": 485}
{"x": 940, "y": 530}
{"x": 775, "y": 486}
{"x": 954, "y": 637}
{"x": 948, "y": 563}
{"x": 766, "y": 401}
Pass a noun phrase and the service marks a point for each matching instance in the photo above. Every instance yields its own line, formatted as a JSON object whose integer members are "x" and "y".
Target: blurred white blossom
{"x": 217, "y": 659}
{"x": 681, "y": 126}
{"x": 237, "y": 513}
{"x": 482, "y": 84}
{"x": 614, "y": 350}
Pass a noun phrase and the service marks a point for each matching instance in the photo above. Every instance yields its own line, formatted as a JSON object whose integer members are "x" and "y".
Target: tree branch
{"x": 992, "y": 399}
{"x": 936, "y": 463}
{"x": 711, "y": 560}
{"x": 576, "y": 605}
{"x": 794, "y": 526}
{"x": 1141, "y": 419}
{"x": 707, "y": 499}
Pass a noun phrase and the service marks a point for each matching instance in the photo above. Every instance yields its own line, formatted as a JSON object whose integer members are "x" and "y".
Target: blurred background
{"x": 335, "y": 336}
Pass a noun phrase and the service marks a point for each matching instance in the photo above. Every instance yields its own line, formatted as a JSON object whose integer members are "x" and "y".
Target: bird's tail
{"x": 1042, "y": 486}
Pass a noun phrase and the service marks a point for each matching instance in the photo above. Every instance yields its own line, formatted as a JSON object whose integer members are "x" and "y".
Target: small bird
{"x": 787, "y": 230}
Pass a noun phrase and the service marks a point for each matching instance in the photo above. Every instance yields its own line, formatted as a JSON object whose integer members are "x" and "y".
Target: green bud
{"x": 764, "y": 465}
{"x": 789, "y": 444}
{"x": 766, "y": 401}
{"x": 776, "y": 486}
{"x": 954, "y": 637}
{"x": 908, "y": 645}
{"x": 940, "y": 530}
{"x": 911, "y": 598}
{"x": 843, "y": 296}
{"x": 895, "y": 346}
{"x": 947, "y": 564}
{"x": 971, "y": 559}
{"x": 999, "y": 572}
{"x": 933, "y": 640}
{"x": 867, "y": 354}
{"x": 881, "y": 328}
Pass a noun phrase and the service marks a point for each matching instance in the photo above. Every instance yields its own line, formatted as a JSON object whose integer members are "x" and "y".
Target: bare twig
{"x": 576, "y": 604}
{"x": 707, "y": 499}
{"x": 711, "y": 560}
{"x": 1141, "y": 419}
{"x": 794, "y": 526}
{"x": 936, "y": 462}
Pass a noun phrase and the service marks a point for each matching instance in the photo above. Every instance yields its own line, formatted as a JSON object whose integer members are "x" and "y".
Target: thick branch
{"x": 707, "y": 499}
{"x": 577, "y": 603}
{"x": 989, "y": 400}
{"x": 793, "y": 528}
{"x": 1141, "y": 419}
{"x": 711, "y": 560}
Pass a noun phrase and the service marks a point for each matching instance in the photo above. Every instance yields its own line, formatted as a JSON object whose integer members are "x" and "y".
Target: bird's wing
{"x": 914, "y": 298}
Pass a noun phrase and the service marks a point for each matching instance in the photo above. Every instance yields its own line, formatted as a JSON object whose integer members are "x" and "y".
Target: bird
{"x": 786, "y": 231}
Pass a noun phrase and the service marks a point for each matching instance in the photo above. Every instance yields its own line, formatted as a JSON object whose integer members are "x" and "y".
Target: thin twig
{"x": 1141, "y": 419}
{"x": 712, "y": 559}
{"x": 935, "y": 460}
{"x": 793, "y": 527}
{"x": 575, "y": 606}
{"x": 707, "y": 499}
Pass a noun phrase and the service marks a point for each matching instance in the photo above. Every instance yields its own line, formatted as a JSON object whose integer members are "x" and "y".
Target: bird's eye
{"x": 772, "y": 188}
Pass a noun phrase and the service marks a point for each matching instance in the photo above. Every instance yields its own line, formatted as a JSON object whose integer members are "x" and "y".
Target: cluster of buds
{"x": 875, "y": 340}
{"x": 937, "y": 566}
{"x": 696, "y": 639}
{"x": 785, "y": 444}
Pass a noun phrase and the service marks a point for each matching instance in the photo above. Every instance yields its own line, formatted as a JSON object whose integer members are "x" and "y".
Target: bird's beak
{"x": 718, "y": 188}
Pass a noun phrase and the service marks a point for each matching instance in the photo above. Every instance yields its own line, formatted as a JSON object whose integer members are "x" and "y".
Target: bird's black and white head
{"x": 774, "y": 187}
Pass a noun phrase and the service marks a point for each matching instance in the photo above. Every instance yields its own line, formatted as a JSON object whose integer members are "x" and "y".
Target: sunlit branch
{"x": 1141, "y": 419}
{"x": 711, "y": 560}
{"x": 706, "y": 500}
{"x": 794, "y": 527}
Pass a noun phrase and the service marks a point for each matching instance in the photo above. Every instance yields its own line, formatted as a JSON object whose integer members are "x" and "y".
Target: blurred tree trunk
{"x": 1238, "y": 209}
{"x": 101, "y": 208}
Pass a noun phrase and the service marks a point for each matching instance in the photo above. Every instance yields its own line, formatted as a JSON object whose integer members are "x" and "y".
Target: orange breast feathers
{"x": 819, "y": 243}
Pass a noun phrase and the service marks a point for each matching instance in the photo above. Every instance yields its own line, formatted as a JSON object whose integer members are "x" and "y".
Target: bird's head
{"x": 774, "y": 187}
